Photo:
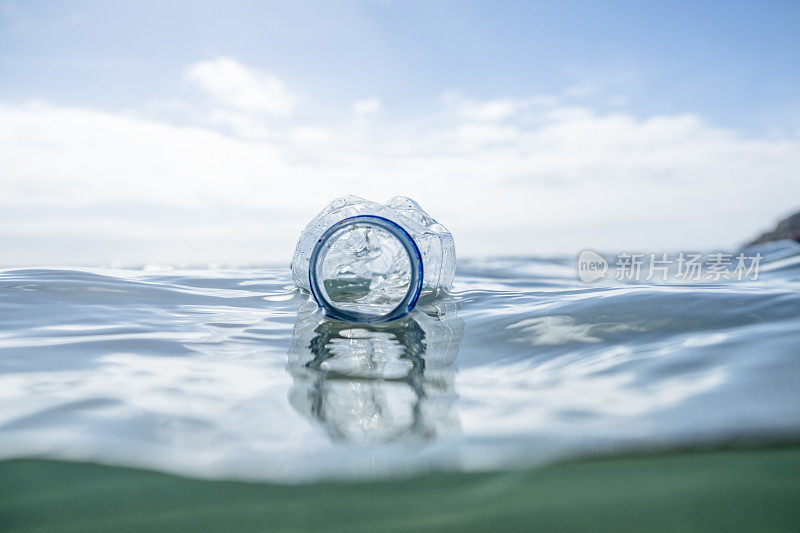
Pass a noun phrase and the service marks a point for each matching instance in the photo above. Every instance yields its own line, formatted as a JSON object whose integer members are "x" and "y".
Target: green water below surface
{"x": 724, "y": 489}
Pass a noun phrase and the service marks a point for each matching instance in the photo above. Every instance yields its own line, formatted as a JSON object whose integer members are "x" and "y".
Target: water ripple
{"x": 234, "y": 373}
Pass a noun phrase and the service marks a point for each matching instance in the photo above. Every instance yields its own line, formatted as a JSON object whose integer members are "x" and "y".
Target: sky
{"x": 195, "y": 133}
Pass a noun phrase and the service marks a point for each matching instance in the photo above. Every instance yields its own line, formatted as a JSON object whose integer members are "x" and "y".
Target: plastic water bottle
{"x": 367, "y": 262}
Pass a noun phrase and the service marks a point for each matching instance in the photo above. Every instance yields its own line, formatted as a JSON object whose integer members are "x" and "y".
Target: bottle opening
{"x": 366, "y": 269}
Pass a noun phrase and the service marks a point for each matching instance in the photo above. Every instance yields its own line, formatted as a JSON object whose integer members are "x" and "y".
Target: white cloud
{"x": 367, "y": 106}
{"x": 481, "y": 134}
{"x": 82, "y": 185}
{"x": 306, "y": 134}
{"x": 240, "y": 87}
{"x": 491, "y": 110}
{"x": 495, "y": 110}
{"x": 240, "y": 124}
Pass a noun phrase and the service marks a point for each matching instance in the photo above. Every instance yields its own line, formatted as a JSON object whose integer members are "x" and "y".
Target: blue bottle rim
{"x": 415, "y": 259}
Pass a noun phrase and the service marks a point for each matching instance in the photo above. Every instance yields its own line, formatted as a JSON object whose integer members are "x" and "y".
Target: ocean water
{"x": 233, "y": 373}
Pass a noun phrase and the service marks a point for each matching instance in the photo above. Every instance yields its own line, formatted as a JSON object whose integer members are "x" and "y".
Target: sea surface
{"x": 233, "y": 373}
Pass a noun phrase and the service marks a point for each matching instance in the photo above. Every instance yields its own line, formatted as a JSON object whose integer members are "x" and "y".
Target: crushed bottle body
{"x": 369, "y": 262}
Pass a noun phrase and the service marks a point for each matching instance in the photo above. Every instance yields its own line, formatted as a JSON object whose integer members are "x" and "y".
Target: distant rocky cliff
{"x": 788, "y": 228}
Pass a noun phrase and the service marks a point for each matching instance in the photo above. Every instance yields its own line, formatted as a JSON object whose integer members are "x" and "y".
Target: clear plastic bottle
{"x": 367, "y": 262}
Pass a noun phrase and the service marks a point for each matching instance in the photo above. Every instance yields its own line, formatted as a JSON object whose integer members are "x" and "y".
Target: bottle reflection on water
{"x": 376, "y": 383}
